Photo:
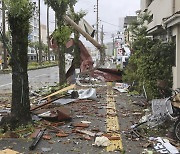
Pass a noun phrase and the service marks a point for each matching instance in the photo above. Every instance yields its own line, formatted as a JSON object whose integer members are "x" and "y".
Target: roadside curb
{"x": 5, "y": 71}
{"x": 9, "y": 71}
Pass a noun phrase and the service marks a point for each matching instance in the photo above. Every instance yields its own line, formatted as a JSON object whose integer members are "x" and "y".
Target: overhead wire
{"x": 109, "y": 23}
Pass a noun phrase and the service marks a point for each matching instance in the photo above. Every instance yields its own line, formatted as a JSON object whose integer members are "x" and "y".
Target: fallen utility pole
{"x": 88, "y": 37}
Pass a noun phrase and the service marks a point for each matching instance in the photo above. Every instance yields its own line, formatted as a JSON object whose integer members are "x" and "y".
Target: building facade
{"x": 165, "y": 24}
{"x": 128, "y": 37}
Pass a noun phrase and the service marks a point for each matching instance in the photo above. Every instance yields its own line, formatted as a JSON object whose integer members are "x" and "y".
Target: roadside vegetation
{"x": 35, "y": 65}
{"x": 150, "y": 65}
{"x": 19, "y": 13}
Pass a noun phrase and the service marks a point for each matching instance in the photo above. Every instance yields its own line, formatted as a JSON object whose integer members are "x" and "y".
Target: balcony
{"x": 159, "y": 13}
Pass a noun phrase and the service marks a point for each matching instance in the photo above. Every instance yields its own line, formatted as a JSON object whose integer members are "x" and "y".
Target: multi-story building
{"x": 165, "y": 24}
{"x": 34, "y": 35}
{"x": 109, "y": 49}
{"x": 128, "y": 37}
{"x": 44, "y": 33}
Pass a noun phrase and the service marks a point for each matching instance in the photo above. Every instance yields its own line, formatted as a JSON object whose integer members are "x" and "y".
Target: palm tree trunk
{"x": 20, "y": 106}
{"x": 62, "y": 73}
{"x": 76, "y": 50}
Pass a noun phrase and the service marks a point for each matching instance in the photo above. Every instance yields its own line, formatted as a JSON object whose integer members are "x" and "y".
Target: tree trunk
{"x": 20, "y": 106}
{"x": 37, "y": 56}
{"x": 5, "y": 65}
{"x": 76, "y": 51}
{"x": 62, "y": 72}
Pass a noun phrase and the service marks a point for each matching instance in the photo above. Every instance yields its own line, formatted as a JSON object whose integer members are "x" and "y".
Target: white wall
{"x": 176, "y": 69}
{"x": 177, "y": 5}
{"x": 160, "y": 9}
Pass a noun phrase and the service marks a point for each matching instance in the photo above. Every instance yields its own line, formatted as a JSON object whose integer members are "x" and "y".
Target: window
{"x": 32, "y": 57}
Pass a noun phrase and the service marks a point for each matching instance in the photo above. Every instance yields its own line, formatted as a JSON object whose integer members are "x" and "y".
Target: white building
{"x": 128, "y": 37}
{"x": 34, "y": 34}
{"x": 165, "y": 24}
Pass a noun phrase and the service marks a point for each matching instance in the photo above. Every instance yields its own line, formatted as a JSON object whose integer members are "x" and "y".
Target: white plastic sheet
{"x": 86, "y": 93}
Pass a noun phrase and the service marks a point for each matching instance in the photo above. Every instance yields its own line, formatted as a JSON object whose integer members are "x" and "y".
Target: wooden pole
{"x": 88, "y": 37}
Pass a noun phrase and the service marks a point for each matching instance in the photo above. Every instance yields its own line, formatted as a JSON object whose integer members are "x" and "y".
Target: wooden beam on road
{"x": 60, "y": 91}
{"x": 50, "y": 98}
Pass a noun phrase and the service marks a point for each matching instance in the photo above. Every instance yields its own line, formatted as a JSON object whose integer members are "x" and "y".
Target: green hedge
{"x": 151, "y": 63}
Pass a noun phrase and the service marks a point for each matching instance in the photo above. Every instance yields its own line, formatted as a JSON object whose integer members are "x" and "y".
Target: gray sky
{"x": 109, "y": 13}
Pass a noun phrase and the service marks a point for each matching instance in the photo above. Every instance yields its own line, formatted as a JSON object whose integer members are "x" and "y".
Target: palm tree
{"x": 62, "y": 33}
{"x": 18, "y": 18}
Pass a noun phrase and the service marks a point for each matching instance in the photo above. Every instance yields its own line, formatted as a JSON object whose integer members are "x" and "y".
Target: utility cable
{"x": 109, "y": 23}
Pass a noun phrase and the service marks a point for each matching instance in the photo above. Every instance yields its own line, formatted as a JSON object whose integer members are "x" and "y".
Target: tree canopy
{"x": 19, "y": 13}
{"x": 150, "y": 63}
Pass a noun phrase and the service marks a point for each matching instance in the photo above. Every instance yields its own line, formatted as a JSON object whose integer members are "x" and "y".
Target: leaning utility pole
{"x": 40, "y": 44}
{"x": 5, "y": 65}
{"x": 88, "y": 37}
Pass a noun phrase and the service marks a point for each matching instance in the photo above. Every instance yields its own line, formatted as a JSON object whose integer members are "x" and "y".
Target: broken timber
{"x": 50, "y": 98}
{"x": 37, "y": 139}
{"x": 88, "y": 37}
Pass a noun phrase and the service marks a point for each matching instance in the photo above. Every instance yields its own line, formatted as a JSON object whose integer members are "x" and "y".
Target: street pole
{"x": 113, "y": 45}
{"x": 55, "y": 21}
{"x": 40, "y": 44}
{"x": 97, "y": 20}
{"x": 48, "y": 33}
{"x": 102, "y": 36}
{"x": 5, "y": 65}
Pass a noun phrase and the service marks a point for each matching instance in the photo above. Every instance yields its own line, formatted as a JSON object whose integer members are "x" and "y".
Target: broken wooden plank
{"x": 49, "y": 97}
{"x": 8, "y": 151}
{"x": 60, "y": 91}
{"x": 46, "y": 103}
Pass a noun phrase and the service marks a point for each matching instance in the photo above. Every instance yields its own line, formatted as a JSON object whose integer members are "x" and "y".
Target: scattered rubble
{"x": 69, "y": 115}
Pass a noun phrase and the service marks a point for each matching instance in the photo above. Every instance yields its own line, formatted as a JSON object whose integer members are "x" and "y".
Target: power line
{"x": 109, "y": 23}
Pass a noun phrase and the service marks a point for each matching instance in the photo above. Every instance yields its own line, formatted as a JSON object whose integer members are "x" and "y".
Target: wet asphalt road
{"x": 37, "y": 79}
